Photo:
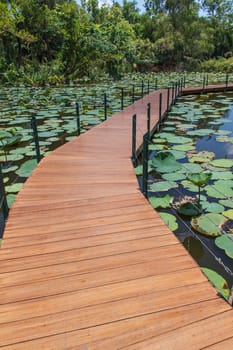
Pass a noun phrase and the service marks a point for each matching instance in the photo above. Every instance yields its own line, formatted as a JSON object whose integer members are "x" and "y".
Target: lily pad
{"x": 161, "y": 202}
{"x": 174, "y": 176}
{"x": 221, "y": 189}
{"x": 165, "y": 162}
{"x": 139, "y": 170}
{"x": 199, "y": 179}
{"x": 202, "y": 157}
{"x": 218, "y": 281}
{"x": 14, "y": 188}
{"x": 225, "y": 242}
{"x": 226, "y": 202}
{"x": 10, "y": 199}
{"x": 189, "y": 209}
{"x": 26, "y": 168}
{"x": 191, "y": 168}
{"x": 189, "y": 186}
{"x": 208, "y": 224}
{"x": 184, "y": 147}
{"x": 161, "y": 186}
{"x": 170, "y": 220}
{"x": 228, "y": 214}
{"x": 222, "y": 175}
{"x": 212, "y": 207}
{"x": 222, "y": 163}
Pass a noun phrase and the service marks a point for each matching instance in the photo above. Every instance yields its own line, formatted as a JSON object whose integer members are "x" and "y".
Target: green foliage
{"x": 218, "y": 281}
{"x": 218, "y": 65}
{"x": 208, "y": 224}
{"x": 52, "y": 42}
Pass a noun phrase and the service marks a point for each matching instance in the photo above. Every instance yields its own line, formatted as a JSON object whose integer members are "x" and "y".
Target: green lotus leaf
{"x": 170, "y": 220}
{"x": 226, "y": 202}
{"x": 46, "y": 134}
{"x": 208, "y": 224}
{"x": 218, "y": 281}
{"x": 14, "y": 188}
{"x": 184, "y": 147}
{"x": 9, "y": 169}
{"x": 10, "y": 199}
{"x": 221, "y": 189}
{"x": 26, "y": 168}
{"x": 189, "y": 209}
{"x": 177, "y": 154}
{"x": 165, "y": 162}
{"x": 222, "y": 175}
{"x": 13, "y": 157}
{"x": 9, "y": 142}
{"x": 159, "y": 140}
{"x": 139, "y": 170}
{"x": 157, "y": 147}
{"x": 200, "y": 132}
{"x": 174, "y": 176}
{"x": 191, "y": 168}
{"x": 228, "y": 214}
{"x": 4, "y": 134}
{"x": 223, "y": 132}
{"x": 202, "y": 157}
{"x": 161, "y": 186}
{"x": 225, "y": 242}
{"x": 178, "y": 139}
{"x": 222, "y": 163}
{"x": 189, "y": 186}
{"x": 212, "y": 207}
{"x": 223, "y": 139}
{"x": 169, "y": 128}
{"x": 6, "y": 179}
{"x": 161, "y": 202}
{"x": 199, "y": 179}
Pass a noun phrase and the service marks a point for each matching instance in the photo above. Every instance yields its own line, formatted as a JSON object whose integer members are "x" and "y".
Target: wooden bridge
{"x": 87, "y": 264}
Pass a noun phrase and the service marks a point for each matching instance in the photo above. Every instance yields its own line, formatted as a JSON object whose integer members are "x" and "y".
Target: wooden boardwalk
{"x": 87, "y": 264}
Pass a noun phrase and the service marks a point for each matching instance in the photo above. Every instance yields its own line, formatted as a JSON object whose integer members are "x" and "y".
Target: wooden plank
{"x": 194, "y": 336}
{"x": 70, "y": 281}
{"x": 104, "y": 313}
{"x": 125, "y": 332}
{"x": 87, "y": 263}
{"x": 100, "y": 295}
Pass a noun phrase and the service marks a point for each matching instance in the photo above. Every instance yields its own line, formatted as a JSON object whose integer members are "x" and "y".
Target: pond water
{"x": 194, "y": 152}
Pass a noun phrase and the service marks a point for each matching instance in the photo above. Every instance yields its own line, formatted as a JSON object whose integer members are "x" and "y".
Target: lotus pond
{"x": 191, "y": 181}
{"x": 54, "y": 109}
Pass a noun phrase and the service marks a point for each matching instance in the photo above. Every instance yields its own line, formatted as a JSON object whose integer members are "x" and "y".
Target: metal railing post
{"x": 142, "y": 89}
{"x": 148, "y": 118}
{"x": 172, "y": 92}
{"x": 36, "y": 139}
{"x": 227, "y": 80}
{"x": 78, "y": 118}
{"x": 105, "y": 107}
{"x": 156, "y": 84}
{"x": 203, "y": 84}
{"x": 160, "y": 108}
{"x": 145, "y": 165}
{"x": 4, "y": 205}
{"x": 133, "y": 94}
{"x": 122, "y": 98}
{"x": 168, "y": 98}
{"x": 134, "y": 130}
{"x": 148, "y": 87}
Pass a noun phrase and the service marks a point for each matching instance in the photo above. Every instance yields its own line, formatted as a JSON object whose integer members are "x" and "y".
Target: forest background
{"x": 57, "y": 41}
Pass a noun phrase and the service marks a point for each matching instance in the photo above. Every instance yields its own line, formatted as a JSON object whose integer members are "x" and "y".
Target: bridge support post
{"x": 78, "y": 118}
{"x": 36, "y": 139}
{"x": 145, "y": 164}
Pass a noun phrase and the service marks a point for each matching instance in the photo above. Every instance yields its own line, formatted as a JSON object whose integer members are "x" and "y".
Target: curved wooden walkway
{"x": 87, "y": 264}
